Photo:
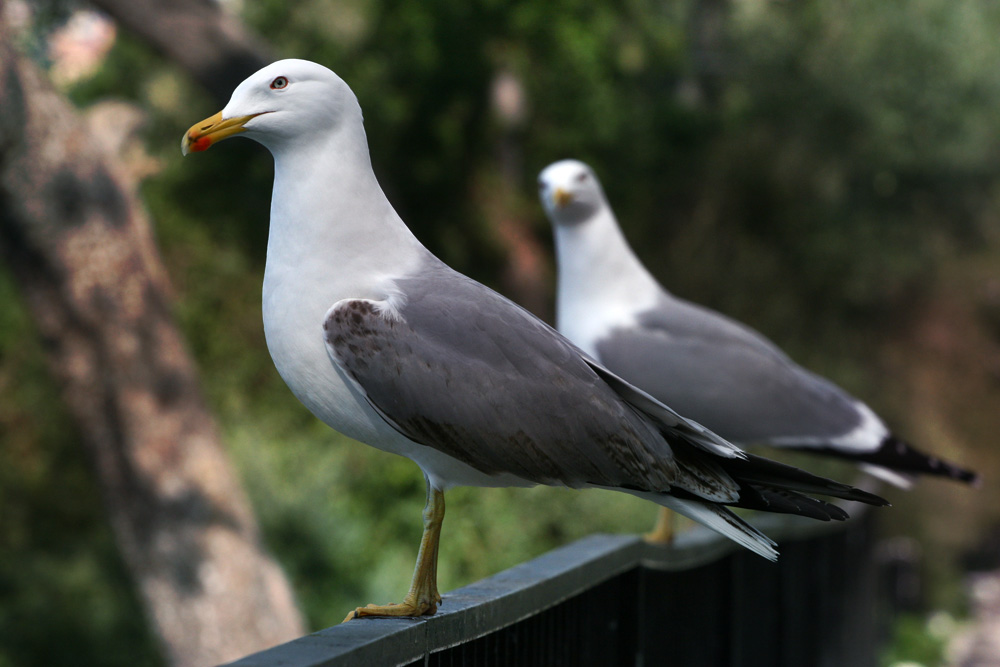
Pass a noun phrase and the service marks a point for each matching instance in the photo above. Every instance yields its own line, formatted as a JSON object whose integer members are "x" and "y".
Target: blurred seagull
{"x": 386, "y": 344}
{"x": 706, "y": 366}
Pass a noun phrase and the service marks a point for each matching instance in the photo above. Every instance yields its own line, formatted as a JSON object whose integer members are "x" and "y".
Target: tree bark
{"x": 526, "y": 275}
{"x": 707, "y": 45}
{"x": 77, "y": 239}
{"x": 212, "y": 46}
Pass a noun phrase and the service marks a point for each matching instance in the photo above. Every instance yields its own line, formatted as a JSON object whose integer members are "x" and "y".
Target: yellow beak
{"x": 211, "y": 130}
{"x": 562, "y": 197}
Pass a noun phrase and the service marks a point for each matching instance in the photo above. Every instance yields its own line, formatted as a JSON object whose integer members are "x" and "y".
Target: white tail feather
{"x": 723, "y": 521}
{"x": 717, "y": 517}
{"x": 897, "y": 479}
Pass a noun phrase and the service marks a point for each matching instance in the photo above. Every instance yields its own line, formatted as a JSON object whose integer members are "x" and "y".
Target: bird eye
{"x": 581, "y": 177}
{"x": 279, "y": 83}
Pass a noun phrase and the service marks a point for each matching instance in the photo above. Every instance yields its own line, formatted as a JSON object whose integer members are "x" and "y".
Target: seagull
{"x": 703, "y": 364}
{"x": 388, "y": 345}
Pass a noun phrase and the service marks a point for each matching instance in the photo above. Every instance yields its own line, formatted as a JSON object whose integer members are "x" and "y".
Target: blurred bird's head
{"x": 570, "y": 192}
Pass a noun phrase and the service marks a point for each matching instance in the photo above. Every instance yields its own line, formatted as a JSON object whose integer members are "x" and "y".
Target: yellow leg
{"x": 663, "y": 531}
{"x": 423, "y": 597}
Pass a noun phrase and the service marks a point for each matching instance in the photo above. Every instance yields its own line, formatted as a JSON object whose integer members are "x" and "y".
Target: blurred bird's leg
{"x": 423, "y": 597}
{"x": 663, "y": 531}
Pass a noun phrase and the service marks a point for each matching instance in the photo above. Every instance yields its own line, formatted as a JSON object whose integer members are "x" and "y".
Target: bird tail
{"x": 783, "y": 501}
{"x": 721, "y": 520}
{"x": 901, "y": 457}
{"x": 757, "y": 471}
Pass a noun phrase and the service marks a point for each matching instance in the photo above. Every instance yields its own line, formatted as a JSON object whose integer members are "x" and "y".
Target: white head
{"x": 570, "y": 192}
{"x": 286, "y": 102}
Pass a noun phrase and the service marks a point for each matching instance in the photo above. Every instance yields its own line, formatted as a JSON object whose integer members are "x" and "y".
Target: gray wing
{"x": 726, "y": 376}
{"x": 465, "y": 371}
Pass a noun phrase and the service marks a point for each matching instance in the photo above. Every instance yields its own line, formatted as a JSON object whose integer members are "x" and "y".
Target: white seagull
{"x": 386, "y": 344}
{"x": 705, "y": 365}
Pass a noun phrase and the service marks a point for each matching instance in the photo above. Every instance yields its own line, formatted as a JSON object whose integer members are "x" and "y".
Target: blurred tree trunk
{"x": 526, "y": 276}
{"x": 707, "y": 44}
{"x": 212, "y": 46}
{"x": 77, "y": 240}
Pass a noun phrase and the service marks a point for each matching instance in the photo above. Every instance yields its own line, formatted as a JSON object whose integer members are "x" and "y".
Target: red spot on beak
{"x": 200, "y": 144}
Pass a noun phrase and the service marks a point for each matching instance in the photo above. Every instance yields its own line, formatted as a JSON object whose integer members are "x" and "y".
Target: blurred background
{"x": 826, "y": 171}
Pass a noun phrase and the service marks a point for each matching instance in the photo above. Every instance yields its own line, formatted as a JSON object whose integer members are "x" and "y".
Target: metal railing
{"x": 615, "y": 600}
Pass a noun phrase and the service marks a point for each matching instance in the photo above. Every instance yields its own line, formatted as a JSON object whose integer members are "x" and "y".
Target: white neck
{"x": 601, "y": 282}
{"x": 321, "y": 191}
{"x": 318, "y": 253}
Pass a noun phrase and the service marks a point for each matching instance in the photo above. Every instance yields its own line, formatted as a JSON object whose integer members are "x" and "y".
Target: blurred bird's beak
{"x": 211, "y": 130}
{"x": 562, "y": 197}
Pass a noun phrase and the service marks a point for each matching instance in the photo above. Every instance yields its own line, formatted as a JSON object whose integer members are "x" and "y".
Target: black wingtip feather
{"x": 760, "y": 471}
{"x": 896, "y": 454}
{"x": 784, "y": 501}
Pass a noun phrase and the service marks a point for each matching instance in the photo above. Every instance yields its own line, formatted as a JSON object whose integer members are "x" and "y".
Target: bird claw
{"x": 403, "y": 609}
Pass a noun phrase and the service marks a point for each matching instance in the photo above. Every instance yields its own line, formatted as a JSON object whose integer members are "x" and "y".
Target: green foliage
{"x": 915, "y": 641}
{"x": 876, "y": 140}
{"x": 849, "y": 151}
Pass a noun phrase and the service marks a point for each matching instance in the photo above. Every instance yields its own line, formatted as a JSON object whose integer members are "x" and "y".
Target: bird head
{"x": 289, "y": 100}
{"x": 570, "y": 192}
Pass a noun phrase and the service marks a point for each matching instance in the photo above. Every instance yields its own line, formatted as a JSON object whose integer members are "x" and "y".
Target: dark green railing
{"x": 615, "y": 600}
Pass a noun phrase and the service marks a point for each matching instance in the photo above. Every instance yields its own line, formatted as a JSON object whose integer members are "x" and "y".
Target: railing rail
{"x": 615, "y": 600}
